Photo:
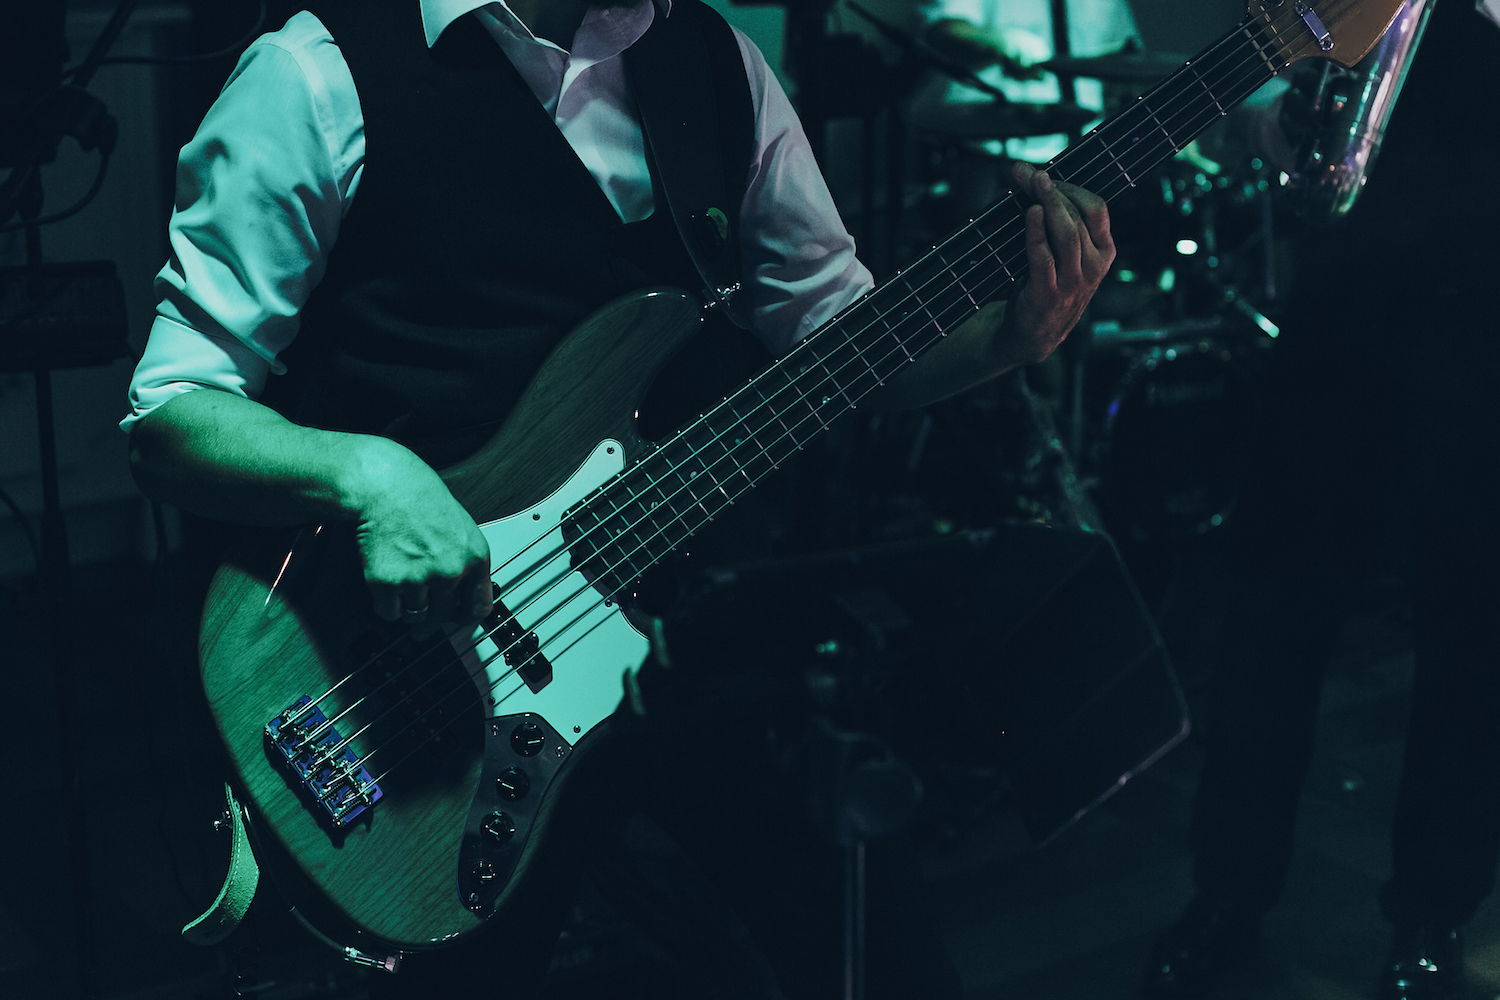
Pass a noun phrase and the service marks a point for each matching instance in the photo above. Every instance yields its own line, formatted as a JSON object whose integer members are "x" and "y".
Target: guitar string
{"x": 720, "y": 508}
{"x": 297, "y": 717}
{"x": 600, "y": 522}
{"x": 1173, "y": 116}
{"x": 1257, "y": 58}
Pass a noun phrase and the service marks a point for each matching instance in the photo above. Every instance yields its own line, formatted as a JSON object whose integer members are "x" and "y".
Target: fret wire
{"x": 1169, "y": 92}
{"x": 648, "y": 510}
{"x": 685, "y": 481}
{"x": 629, "y": 526}
{"x": 708, "y": 469}
{"x": 891, "y": 329}
{"x": 800, "y": 395}
{"x": 1171, "y": 139}
{"x": 729, "y": 454}
{"x": 777, "y": 417}
{"x": 1259, "y": 49}
{"x": 958, "y": 281}
{"x": 849, "y": 347}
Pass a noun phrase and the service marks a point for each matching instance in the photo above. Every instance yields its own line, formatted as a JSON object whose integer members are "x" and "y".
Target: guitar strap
{"x": 234, "y": 898}
{"x": 678, "y": 74}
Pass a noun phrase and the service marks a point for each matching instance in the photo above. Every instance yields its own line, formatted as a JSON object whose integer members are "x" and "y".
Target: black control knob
{"x": 512, "y": 784}
{"x": 498, "y": 828}
{"x": 527, "y": 739}
{"x": 484, "y": 871}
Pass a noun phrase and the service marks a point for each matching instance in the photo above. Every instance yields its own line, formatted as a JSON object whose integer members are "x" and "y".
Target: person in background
{"x": 1380, "y": 441}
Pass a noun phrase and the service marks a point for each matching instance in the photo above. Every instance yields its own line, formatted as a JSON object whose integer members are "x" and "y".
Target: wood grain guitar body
{"x": 467, "y": 738}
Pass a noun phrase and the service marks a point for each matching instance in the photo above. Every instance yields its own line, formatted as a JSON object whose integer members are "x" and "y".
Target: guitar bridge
{"x": 330, "y": 773}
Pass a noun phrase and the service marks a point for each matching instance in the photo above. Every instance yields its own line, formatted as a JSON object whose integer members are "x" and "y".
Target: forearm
{"x": 227, "y": 457}
{"x": 973, "y": 352}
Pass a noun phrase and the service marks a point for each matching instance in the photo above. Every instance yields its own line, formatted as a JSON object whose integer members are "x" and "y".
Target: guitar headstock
{"x": 1341, "y": 30}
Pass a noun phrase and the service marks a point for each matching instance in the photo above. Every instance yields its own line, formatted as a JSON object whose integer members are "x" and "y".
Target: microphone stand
{"x": 53, "y": 307}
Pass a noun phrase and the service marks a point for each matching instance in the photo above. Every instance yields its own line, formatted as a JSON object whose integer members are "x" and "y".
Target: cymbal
{"x": 994, "y": 120}
{"x": 1131, "y": 64}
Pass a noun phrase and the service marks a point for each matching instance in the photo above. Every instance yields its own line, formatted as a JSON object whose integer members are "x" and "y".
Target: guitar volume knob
{"x": 498, "y": 828}
{"x": 527, "y": 739}
{"x": 512, "y": 784}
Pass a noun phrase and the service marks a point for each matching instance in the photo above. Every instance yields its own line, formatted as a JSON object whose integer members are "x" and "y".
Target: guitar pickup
{"x": 335, "y": 778}
{"x": 520, "y": 647}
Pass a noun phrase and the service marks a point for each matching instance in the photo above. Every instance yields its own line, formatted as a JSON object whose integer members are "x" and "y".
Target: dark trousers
{"x": 1380, "y": 436}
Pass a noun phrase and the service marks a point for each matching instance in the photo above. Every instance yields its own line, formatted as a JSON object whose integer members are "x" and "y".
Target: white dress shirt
{"x": 264, "y": 184}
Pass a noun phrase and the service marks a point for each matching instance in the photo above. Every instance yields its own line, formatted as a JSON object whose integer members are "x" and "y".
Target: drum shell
{"x": 1175, "y": 438}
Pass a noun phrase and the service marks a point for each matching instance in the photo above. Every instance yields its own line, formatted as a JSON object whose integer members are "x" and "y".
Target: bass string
{"x": 717, "y": 436}
{"x": 1231, "y": 38}
{"x": 1137, "y": 160}
{"x": 1144, "y": 155}
{"x": 721, "y": 507}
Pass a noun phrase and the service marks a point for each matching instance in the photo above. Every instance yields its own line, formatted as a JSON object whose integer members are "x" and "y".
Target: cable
{"x": 72, "y": 210}
{"x": 229, "y": 49}
{"x": 36, "y": 548}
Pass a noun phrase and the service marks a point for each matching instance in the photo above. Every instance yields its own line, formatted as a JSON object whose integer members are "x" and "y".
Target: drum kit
{"x": 1151, "y": 406}
{"x": 1161, "y": 382}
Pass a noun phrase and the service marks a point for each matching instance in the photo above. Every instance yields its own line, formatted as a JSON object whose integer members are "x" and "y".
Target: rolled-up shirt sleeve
{"x": 799, "y": 259}
{"x": 260, "y": 192}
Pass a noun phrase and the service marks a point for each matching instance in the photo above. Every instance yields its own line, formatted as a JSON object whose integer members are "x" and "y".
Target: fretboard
{"x": 652, "y": 508}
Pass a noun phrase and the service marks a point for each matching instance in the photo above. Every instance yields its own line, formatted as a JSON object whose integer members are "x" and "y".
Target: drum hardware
{"x": 1075, "y": 508}
{"x": 1174, "y": 435}
{"x": 918, "y": 51}
{"x": 1129, "y": 64}
{"x": 1109, "y": 333}
{"x": 1005, "y": 120}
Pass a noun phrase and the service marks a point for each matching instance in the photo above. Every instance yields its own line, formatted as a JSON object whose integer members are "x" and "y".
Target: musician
{"x": 1379, "y": 440}
{"x": 404, "y": 300}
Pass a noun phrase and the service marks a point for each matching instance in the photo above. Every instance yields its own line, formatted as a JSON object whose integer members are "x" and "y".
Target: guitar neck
{"x": 653, "y": 507}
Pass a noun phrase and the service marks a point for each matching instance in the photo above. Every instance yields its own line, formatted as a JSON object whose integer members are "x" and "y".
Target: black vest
{"x": 477, "y": 238}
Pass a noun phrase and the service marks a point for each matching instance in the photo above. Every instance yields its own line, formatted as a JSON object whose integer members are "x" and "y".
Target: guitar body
{"x": 434, "y": 723}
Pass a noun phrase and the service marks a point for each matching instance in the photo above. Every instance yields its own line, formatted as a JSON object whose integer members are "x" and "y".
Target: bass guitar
{"x": 398, "y": 789}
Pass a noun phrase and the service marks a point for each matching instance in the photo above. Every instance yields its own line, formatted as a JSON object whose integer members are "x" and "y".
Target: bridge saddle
{"x": 318, "y": 758}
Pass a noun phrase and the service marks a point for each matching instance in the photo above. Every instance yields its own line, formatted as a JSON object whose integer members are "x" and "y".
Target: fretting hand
{"x": 1069, "y": 249}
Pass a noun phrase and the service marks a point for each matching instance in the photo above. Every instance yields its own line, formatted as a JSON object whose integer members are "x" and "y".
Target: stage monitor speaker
{"x": 1022, "y": 648}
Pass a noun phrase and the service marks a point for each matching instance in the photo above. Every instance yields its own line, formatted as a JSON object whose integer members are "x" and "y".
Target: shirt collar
{"x": 438, "y": 14}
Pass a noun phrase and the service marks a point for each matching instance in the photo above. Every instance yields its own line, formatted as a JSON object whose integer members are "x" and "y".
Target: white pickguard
{"x": 590, "y": 645}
